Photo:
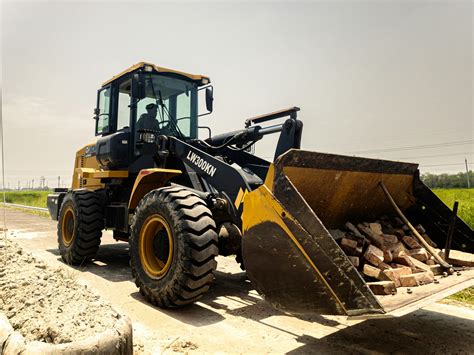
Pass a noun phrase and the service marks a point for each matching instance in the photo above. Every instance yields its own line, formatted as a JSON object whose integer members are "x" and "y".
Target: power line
{"x": 436, "y": 156}
{"x": 415, "y": 147}
{"x": 450, "y": 164}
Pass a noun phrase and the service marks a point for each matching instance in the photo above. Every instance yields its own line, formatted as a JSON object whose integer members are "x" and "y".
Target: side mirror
{"x": 96, "y": 113}
{"x": 138, "y": 87}
{"x": 209, "y": 99}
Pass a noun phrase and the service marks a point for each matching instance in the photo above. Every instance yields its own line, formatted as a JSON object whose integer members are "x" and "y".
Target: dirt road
{"x": 233, "y": 318}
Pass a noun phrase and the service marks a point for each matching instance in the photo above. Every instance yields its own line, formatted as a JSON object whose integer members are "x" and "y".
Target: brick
{"x": 404, "y": 259}
{"x": 395, "y": 274}
{"x": 419, "y": 254}
{"x": 387, "y": 256}
{"x": 349, "y": 246}
{"x": 361, "y": 241}
{"x": 396, "y": 266}
{"x": 398, "y": 248}
{"x": 411, "y": 242}
{"x": 374, "y": 238}
{"x": 353, "y": 229}
{"x": 374, "y": 272}
{"x": 354, "y": 260}
{"x": 382, "y": 287}
{"x": 373, "y": 255}
{"x": 418, "y": 279}
{"x": 400, "y": 233}
{"x": 460, "y": 258}
{"x": 376, "y": 228}
{"x": 419, "y": 265}
{"x": 390, "y": 239}
{"x": 383, "y": 266}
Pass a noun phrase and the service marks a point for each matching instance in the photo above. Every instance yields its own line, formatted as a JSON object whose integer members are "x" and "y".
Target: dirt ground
{"x": 233, "y": 318}
{"x": 47, "y": 304}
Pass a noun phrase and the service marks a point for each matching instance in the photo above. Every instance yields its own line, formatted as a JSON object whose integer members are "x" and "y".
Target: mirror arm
{"x": 207, "y": 128}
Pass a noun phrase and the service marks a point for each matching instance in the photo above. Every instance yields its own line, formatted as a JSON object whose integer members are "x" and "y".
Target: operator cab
{"x": 141, "y": 103}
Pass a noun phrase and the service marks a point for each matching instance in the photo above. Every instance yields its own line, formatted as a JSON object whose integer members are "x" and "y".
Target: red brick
{"x": 373, "y": 237}
{"x": 411, "y": 242}
{"x": 421, "y": 278}
{"x": 373, "y": 255}
{"x": 382, "y": 287}
{"x": 395, "y": 274}
{"x": 376, "y": 228}
{"x": 353, "y": 229}
{"x": 383, "y": 266}
{"x": 398, "y": 249}
{"x": 349, "y": 246}
{"x": 419, "y": 265}
{"x": 387, "y": 256}
{"x": 403, "y": 259}
{"x": 374, "y": 272}
{"x": 354, "y": 260}
{"x": 419, "y": 254}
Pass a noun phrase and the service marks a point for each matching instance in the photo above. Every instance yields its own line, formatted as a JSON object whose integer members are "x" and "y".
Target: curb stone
{"x": 118, "y": 340}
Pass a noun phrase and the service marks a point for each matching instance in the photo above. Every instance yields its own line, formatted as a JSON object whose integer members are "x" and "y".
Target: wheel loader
{"x": 181, "y": 200}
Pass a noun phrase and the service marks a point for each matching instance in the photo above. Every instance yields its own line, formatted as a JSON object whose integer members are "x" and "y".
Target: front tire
{"x": 80, "y": 226}
{"x": 173, "y": 245}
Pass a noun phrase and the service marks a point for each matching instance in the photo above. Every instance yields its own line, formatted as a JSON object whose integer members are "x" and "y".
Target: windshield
{"x": 170, "y": 107}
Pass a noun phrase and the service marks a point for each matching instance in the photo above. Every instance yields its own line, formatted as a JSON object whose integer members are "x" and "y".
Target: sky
{"x": 381, "y": 79}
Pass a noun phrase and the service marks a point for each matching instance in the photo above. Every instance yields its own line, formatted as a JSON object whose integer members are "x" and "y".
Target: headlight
{"x": 148, "y": 137}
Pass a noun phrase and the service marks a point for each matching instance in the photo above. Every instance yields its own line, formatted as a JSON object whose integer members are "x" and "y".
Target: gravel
{"x": 47, "y": 304}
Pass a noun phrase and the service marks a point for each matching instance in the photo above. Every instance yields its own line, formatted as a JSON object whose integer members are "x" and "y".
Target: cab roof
{"x": 199, "y": 79}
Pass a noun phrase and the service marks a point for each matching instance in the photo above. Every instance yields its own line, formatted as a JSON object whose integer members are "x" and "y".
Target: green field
{"x": 29, "y": 198}
{"x": 466, "y": 213}
{"x": 466, "y": 202}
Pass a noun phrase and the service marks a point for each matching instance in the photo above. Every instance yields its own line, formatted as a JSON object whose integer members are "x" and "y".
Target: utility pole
{"x": 467, "y": 174}
{"x": 59, "y": 181}
{"x": 32, "y": 184}
{"x": 18, "y": 184}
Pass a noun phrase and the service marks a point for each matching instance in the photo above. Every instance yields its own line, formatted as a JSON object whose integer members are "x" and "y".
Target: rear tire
{"x": 80, "y": 226}
{"x": 173, "y": 245}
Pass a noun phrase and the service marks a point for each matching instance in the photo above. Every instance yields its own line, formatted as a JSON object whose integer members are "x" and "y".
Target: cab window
{"x": 123, "y": 111}
{"x": 103, "y": 116}
{"x": 169, "y": 107}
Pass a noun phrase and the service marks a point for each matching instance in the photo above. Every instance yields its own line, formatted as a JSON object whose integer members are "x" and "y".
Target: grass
{"x": 466, "y": 202}
{"x": 28, "y": 198}
{"x": 466, "y": 213}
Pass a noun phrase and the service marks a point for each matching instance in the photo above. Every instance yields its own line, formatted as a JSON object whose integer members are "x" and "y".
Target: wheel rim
{"x": 67, "y": 228}
{"x": 155, "y": 246}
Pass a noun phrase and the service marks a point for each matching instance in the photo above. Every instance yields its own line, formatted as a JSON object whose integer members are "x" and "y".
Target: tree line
{"x": 444, "y": 181}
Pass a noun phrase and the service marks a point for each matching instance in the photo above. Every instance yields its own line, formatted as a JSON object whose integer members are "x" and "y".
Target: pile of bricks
{"x": 387, "y": 255}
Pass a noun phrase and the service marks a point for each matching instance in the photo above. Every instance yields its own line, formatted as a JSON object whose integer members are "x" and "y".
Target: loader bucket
{"x": 289, "y": 254}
